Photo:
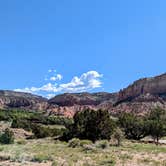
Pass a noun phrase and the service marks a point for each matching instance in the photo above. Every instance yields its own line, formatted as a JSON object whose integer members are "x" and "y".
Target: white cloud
{"x": 50, "y": 70}
{"x": 57, "y": 77}
{"x": 87, "y": 81}
{"x": 53, "y": 78}
{"x": 50, "y": 95}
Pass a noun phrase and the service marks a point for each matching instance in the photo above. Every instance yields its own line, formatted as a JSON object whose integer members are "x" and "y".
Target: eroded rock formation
{"x": 140, "y": 97}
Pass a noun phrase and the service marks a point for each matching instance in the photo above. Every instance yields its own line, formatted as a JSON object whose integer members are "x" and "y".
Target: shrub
{"x": 20, "y": 123}
{"x": 42, "y": 131}
{"x": 134, "y": 127}
{"x": 4, "y": 158}
{"x": 102, "y": 144}
{"x": 118, "y": 136}
{"x": 41, "y": 158}
{"x": 58, "y": 120}
{"x": 21, "y": 142}
{"x": 109, "y": 162}
{"x": 157, "y": 124}
{"x": 7, "y": 137}
{"x": 73, "y": 143}
{"x": 4, "y": 115}
{"x": 85, "y": 142}
{"x": 91, "y": 125}
{"x": 87, "y": 148}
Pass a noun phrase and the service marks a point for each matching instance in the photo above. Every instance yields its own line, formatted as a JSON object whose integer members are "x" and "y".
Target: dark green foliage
{"x": 158, "y": 114}
{"x": 73, "y": 143}
{"x": 58, "y": 120}
{"x": 37, "y": 122}
{"x": 157, "y": 124}
{"x": 33, "y": 117}
{"x": 9, "y": 115}
{"x": 103, "y": 144}
{"x": 5, "y": 115}
{"x": 92, "y": 125}
{"x": 118, "y": 135}
{"x": 7, "y": 137}
{"x": 42, "y": 131}
{"x": 138, "y": 127}
{"x": 21, "y": 123}
{"x": 134, "y": 127}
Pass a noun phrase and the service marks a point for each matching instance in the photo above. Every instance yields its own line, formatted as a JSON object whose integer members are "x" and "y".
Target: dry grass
{"x": 48, "y": 152}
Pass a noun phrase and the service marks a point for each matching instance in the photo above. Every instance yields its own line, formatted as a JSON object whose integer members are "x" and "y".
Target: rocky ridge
{"x": 139, "y": 97}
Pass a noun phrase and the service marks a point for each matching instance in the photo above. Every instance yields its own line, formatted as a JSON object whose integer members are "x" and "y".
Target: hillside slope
{"x": 11, "y": 99}
{"x": 139, "y": 97}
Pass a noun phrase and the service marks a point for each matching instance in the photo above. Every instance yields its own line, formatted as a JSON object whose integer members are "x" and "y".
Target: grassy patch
{"x": 59, "y": 153}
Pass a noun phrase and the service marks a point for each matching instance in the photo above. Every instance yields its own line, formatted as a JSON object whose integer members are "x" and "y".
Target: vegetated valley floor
{"x": 49, "y": 152}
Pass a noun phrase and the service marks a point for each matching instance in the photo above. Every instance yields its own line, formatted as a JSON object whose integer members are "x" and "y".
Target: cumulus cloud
{"x": 56, "y": 77}
{"x": 87, "y": 81}
{"x": 51, "y": 71}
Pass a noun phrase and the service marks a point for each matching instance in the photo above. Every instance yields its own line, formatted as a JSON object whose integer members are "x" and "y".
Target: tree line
{"x": 98, "y": 125}
{"x": 88, "y": 125}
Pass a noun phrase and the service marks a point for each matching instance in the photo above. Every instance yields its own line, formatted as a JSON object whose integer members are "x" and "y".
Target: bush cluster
{"x": 87, "y": 125}
{"x": 33, "y": 117}
{"x": 7, "y": 137}
{"x": 91, "y": 125}
{"x": 136, "y": 128}
{"x": 42, "y": 131}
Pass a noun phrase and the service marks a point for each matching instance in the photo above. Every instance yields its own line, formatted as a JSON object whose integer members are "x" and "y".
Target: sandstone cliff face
{"x": 140, "y": 97}
{"x": 11, "y": 99}
{"x": 71, "y": 99}
{"x": 68, "y": 104}
{"x": 155, "y": 86}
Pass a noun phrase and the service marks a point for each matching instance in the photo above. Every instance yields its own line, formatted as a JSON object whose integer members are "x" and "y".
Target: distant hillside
{"x": 12, "y": 99}
{"x": 71, "y": 99}
{"x": 154, "y": 86}
{"x": 140, "y": 97}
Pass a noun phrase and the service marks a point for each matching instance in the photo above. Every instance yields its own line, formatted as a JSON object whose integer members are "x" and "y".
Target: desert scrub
{"x": 59, "y": 161}
{"x": 86, "y": 161}
{"x": 118, "y": 136}
{"x": 89, "y": 148}
{"x": 73, "y": 143}
{"x": 103, "y": 144}
{"x": 4, "y": 157}
{"x": 21, "y": 142}
{"x": 7, "y": 137}
{"x": 85, "y": 142}
{"x": 109, "y": 162}
{"x": 41, "y": 158}
{"x": 1, "y": 149}
{"x": 125, "y": 157}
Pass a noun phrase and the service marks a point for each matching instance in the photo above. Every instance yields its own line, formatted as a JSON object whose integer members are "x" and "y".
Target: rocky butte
{"x": 139, "y": 97}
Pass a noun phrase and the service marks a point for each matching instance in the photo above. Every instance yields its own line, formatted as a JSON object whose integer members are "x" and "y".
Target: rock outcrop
{"x": 154, "y": 85}
{"x": 140, "y": 97}
{"x": 11, "y": 99}
{"x": 71, "y": 99}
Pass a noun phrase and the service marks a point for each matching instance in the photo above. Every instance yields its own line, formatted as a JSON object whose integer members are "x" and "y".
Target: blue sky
{"x": 94, "y": 45}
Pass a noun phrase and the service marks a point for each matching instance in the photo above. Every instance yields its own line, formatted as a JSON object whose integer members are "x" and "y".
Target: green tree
{"x": 92, "y": 125}
{"x": 7, "y": 137}
{"x": 157, "y": 124}
{"x": 118, "y": 136}
{"x": 134, "y": 127}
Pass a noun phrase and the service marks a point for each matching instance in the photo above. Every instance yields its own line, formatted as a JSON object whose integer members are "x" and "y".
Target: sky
{"x": 57, "y": 46}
